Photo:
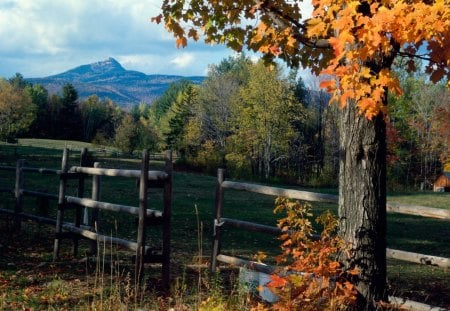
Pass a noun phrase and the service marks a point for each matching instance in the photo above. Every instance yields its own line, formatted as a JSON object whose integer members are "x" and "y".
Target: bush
{"x": 208, "y": 158}
{"x": 313, "y": 277}
{"x": 238, "y": 165}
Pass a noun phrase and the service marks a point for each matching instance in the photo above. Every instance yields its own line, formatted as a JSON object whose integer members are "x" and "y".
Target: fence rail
{"x": 220, "y": 221}
{"x": 289, "y": 193}
{"x": 152, "y": 175}
{"x": 146, "y": 179}
{"x": 416, "y": 210}
{"x": 111, "y": 206}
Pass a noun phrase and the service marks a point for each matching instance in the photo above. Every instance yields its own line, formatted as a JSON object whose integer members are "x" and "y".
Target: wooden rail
{"x": 70, "y": 227}
{"x": 249, "y": 264}
{"x": 152, "y": 175}
{"x": 147, "y": 179}
{"x": 220, "y": 221}
{"x": 418, "y": 258}
{"x": 111, "y": 207}
{"x": 416, "y": 210}
{"x": 8, "y": 168}
{"x": 280, "y": 192}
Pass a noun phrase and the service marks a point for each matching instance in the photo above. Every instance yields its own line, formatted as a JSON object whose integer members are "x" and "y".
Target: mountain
{"x": 108, "y": 79}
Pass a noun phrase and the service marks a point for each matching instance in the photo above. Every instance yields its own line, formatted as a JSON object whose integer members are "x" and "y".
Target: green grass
{"x": 194, "y": 193}
{"x": 431, "y": 199}
{"x": 54, "y": 144}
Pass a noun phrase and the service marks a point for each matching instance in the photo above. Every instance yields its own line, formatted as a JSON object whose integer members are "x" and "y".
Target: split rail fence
{"x": 76, "y": 230}
{"x": 220, "y": 222}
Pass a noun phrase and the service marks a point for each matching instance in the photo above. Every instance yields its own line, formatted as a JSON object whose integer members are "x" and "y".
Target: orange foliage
{"x": 313, "y": 277}
{"x": 368, "y": 32}
{"x": 364, "y": 37}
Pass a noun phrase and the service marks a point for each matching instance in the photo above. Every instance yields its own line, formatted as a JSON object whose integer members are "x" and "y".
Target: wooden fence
{"x": 220, "y": 222}
{"x": 147, "y": 179}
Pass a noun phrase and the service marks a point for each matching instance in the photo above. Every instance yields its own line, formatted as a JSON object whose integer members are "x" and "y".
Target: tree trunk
{"x": 362, "y": 201}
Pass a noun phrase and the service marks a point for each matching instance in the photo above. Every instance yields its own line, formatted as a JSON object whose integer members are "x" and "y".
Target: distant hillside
{"x": 108, "y": 79}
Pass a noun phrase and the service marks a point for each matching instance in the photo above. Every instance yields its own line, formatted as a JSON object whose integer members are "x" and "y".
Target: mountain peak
{"x": 95, "y": 70}
{"x": 108, "y": 79}
{"x": 107, "y": 65}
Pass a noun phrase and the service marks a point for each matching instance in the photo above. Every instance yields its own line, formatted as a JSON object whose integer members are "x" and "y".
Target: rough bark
{"x": 362, "y": 201}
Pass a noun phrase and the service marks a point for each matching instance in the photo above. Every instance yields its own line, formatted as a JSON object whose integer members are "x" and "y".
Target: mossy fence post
{"x": 95, "y": 196}
{"x": 61, "y": 202}
{"x": 18, "y": 195}
{"x": 167, "y": 215}
{"x": 143, "y": 196}
{"x": 218, "y": 211}
{"x": 80, "y": 194}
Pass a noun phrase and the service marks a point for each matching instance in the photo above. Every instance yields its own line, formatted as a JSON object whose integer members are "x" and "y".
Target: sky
{"x": 39, "y": 38}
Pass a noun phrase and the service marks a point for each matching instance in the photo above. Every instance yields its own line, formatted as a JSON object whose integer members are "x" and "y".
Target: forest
{"x": 259, "y": 122}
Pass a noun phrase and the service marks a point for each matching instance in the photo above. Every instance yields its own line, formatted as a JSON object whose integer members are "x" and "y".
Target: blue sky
{"x": 44, "y": 37}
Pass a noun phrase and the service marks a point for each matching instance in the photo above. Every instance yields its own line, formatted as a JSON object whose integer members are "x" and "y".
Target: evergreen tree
{"x": 69, "y": 119}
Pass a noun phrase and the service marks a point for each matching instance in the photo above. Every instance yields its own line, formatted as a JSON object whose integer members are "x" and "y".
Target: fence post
{"x": 167, "y": 215}
{"x": 95, "y": 211}
{"x": 217, "y": 216}
{"x": 18, "y": 196}
{"x": 61, "y": 202}
{"x": 143, "y": 194}
{"x": 80, "y": 193}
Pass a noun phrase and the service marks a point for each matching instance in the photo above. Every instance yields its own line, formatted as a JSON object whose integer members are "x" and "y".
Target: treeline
{"x": 28, "y": 110}
{"x": 252, "y": 119}
{"x": 418, "y": 131}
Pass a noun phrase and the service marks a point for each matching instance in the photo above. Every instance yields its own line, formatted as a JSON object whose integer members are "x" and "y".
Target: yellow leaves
{"x": 316, "y": 28}
{"x": 340, "y": 44}
{"x": 269, "y": 41}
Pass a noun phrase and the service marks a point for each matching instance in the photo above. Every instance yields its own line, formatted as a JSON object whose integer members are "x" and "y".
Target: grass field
{"x": 193, "y": 205}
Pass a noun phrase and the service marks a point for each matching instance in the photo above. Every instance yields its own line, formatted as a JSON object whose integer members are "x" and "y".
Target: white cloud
{"x": 45, "y": 37}
{"x": 183, "y": 60}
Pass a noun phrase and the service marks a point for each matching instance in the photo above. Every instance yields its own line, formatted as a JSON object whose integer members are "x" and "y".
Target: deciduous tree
{"x": 127, "y": 135}
{"x": 17, "y": 111}
{"x": 355, "y": 43}
{"x": 39, "y": 97}
{"x": 265, "y": 111}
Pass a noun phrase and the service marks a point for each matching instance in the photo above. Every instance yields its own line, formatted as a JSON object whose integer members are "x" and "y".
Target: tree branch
{"x": 284, "y": 20}
{"x": 411, "y": 55}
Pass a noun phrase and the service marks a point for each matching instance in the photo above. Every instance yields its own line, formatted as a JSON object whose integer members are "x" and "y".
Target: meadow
{"x": 29, "y": 278}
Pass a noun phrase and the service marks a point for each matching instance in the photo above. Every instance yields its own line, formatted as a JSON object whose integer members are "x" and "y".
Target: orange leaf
{"x": 276, "y": 281}
{"x": 328, "y": 85}
{"x": 181, "y": 42}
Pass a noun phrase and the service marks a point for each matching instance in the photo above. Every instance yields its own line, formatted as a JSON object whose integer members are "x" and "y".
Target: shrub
{"x": 313, "y": 277}
{"x": 238, "y": 165}
{"x": 208, "y": 158}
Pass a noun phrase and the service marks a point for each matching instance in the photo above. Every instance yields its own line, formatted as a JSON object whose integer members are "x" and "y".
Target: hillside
{"x": 108, "y": 79}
